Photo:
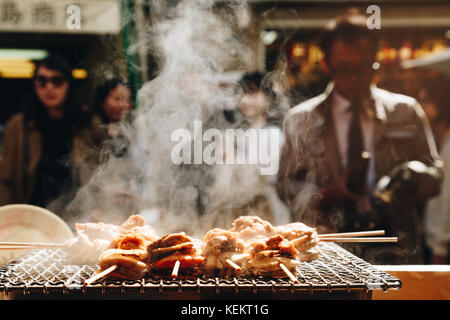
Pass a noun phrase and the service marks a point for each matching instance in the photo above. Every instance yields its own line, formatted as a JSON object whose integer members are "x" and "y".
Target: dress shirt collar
{"x": 340, "y": 103}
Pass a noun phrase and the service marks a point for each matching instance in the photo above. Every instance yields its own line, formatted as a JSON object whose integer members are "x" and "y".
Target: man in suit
{"x": 357, "y": 157}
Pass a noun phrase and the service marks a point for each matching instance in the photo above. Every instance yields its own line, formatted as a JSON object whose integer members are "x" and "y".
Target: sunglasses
{"x": 57, "y": 81}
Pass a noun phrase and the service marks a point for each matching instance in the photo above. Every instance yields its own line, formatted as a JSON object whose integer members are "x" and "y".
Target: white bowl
{"x": 27, "y": 223}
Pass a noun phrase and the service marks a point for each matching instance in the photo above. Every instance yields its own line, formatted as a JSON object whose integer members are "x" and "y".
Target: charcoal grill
{"x": 336, "y": 274}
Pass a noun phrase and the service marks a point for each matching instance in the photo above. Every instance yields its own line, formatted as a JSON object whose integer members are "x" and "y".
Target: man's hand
{"x": 336, "y": 192}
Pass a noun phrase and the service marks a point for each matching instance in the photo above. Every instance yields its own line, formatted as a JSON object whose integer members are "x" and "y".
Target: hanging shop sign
{"x": 61, "y": 16}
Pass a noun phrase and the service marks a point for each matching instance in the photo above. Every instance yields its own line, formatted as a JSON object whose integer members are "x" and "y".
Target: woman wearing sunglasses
{"x": 35, "y": 164}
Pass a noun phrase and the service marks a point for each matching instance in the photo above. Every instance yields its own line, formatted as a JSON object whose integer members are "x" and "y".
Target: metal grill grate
{"x": 46, "y": 271}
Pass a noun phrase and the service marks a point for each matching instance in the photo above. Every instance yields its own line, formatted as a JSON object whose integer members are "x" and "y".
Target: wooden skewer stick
{"x": 353, "y": 234}
{"x": 100, "y": 275}
{"x": 30, "y": 244}
{"x": 288, "y": 273}
{"x": 233, "y": 265}
{"x": 176, "y": 267}
{"x": 377, "y": 239}
{"x": 16, "y": 247}
{"x": 299, "y": 241}
{"x": 13, "y": 247}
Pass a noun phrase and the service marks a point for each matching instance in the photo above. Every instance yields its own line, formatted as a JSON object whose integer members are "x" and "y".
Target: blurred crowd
{"x": 57, "y": 140}
{"x": 44, "y": 144}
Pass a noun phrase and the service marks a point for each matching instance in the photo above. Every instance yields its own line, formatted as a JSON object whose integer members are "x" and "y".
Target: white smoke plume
{"x": 194, "y": 42}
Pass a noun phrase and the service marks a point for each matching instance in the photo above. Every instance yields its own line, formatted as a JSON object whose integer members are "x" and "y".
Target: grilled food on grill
{"x": 303, "y": 237}
{"x": 250, "y": 227}
{"x": 137, "y": 224}
{"x": 166, "y": 251}
{"x": 91, "y": 241}
{"x": 252, "y": 246}
{"x": 295, "y": 230}
{"x": 133, "y": 221}
{"x": 130, "y": 263}
{"x": 82, "y": 250}
{"x": 224, "y": 253}
{"x": 94, "y": 238}
{"x": 129, "y": 253}
{"x": 105, "y": 231}
{"x": 129, "y": 241}
{"x": 98, "y": 230}
{"x": 266, "y": 256}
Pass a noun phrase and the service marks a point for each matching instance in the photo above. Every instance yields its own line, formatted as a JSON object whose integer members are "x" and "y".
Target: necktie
{"x": 357, "y": 159}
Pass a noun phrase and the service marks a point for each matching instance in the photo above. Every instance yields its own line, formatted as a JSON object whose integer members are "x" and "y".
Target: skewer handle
{"x": 30, "y": 244}
{"x": 353, "y": 234}
{"x": 233, "y": 265}
{"x": 19, "y": 247}
{"x": 377, "y": 239}
{"x": 176, "y": 267}
{"x": 101, "y": 275}
{"x": 288, "y": 273}
{"x": 16, "y": 247}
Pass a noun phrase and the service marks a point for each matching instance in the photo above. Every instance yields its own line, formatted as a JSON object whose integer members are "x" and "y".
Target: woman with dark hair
{"x": 111, "y": 107}
{"x": 35, "y": 164}
{"x": 112, "y": 101}
{"x": 260, "y": 101}
{"x": 100, "y": 150}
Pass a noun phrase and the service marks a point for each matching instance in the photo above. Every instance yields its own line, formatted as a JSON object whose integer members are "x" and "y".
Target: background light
{"x": 30, "y": 54}
{"x": 447, "y": 34}
{"x": 18, "y": 64}
{"x": 16, "y": 68}
{"x": 268, "y": 37}
{"x": 79, "y": 73}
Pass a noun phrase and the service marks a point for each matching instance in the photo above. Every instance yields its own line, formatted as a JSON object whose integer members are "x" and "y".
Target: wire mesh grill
{"x": 46, "y": 271}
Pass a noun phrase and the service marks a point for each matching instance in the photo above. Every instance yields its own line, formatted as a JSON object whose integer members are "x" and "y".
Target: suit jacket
{"x": 310, "y": 157}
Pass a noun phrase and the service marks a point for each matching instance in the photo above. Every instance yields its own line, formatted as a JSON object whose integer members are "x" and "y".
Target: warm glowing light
{"x": 16, "y": 68}
{"x": 381, "y": 55}
{"x": 405, "y": 53}
{"x": 298, "y": 50}
{"x": 420, "y": 53}
{"x": 315, "y": 54}
{"x": 392, "y": 54}
{"x": 16, "y": 74}
{"x": 438, "y": 47}
{"x": 79, "y": 73}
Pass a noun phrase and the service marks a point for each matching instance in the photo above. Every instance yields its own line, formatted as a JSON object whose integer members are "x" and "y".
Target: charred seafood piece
{"x": 267, "y": 256}
{"x": 130, "y": 263}
{"x": 224, "y": 253}
{"x": 129, "y": 253}
{"x": 175, "y": 250}
{"x": 250, "y": 227}
{"x": 303, "y": 237}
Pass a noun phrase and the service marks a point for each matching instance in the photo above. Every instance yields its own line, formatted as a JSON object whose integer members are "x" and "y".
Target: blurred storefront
{"x": 86, "y": 32}
{"x": 282, "y": 33}
{"x": 289, "y": 31}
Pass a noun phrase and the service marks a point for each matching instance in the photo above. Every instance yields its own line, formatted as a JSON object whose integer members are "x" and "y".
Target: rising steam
{"x": 194, "y": 42}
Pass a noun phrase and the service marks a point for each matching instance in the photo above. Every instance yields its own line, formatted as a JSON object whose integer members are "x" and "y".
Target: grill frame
{"x": 337, "y": 273}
